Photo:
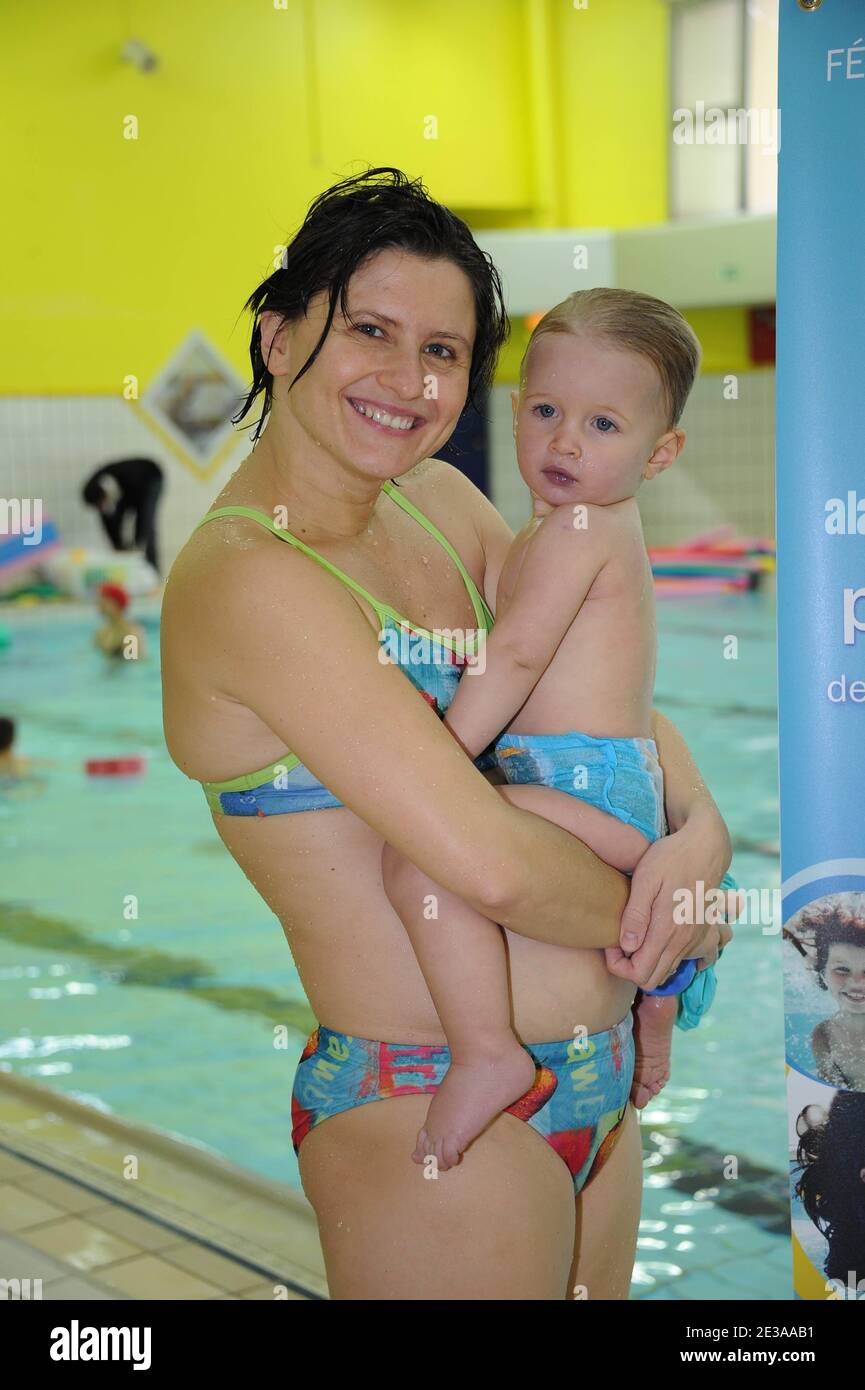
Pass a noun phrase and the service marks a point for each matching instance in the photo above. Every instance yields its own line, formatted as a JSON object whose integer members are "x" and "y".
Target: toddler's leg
{"x": 464, "y": 961}
{"x": 619, "y": 845}
{"x": 654, "y": 1019}
{"x": 622, "y": 846}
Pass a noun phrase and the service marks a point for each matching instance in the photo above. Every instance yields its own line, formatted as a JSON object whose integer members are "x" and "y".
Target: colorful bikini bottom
{"x": 577, "y": 1103}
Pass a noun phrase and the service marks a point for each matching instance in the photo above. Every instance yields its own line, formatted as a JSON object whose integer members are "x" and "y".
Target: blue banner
{"x": 821, "y": 630}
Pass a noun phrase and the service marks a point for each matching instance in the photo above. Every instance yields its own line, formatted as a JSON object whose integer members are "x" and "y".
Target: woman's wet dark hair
{"x": 351, "y": 221}
{"x": 831, "y": 1157}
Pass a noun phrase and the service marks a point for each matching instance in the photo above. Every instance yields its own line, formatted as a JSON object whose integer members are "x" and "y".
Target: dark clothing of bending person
{"x": 127, "y": 487}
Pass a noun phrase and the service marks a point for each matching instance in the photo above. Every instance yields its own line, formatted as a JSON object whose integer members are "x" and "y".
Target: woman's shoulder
{"x": 437, "y": 477}
{"x": 208, "y": 550}
{"x": 230, "y": 575}
{"x": 449, "y": 498}
{"x": 434, "y": 477}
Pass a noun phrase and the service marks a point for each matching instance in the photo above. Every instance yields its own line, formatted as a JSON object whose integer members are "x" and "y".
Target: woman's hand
{"x": 659, "y": 927}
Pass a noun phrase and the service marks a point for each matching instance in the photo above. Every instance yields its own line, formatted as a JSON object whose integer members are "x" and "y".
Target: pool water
{"x": 141, "y": 973}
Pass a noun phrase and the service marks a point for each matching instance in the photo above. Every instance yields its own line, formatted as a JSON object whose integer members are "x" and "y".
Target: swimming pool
{"x": 141, "y": 973}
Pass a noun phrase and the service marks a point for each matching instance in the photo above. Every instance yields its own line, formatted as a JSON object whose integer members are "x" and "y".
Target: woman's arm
{"x": 295, "y": 648}
{"x": 687, "y": 799}
{"x": 693, "y": 857}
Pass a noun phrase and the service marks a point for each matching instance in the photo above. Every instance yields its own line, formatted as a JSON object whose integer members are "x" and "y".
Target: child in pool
{"x": 118, "y": 635}
{"x": 603, "y": 383}
{"x": 12, "y": 765}
{"x": 838, "y": 1043}
{"x": 16, "y": 772}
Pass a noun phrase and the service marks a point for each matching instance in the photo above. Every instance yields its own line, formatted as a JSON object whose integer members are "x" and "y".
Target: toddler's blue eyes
{"x": 604, "y": 424}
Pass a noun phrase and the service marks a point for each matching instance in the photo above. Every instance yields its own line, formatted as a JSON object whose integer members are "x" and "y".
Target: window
{"x": 723, "y": 90}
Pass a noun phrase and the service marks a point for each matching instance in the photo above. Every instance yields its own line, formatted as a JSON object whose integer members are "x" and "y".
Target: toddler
{"x": 12, "y": 765}
{"x": 569, "y": 671}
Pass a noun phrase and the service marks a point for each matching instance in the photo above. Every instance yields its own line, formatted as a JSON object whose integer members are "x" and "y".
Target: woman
{"x": 384, "y": 316}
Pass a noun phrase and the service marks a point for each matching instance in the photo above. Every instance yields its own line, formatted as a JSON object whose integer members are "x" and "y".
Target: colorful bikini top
{"x": 432, "y": 661}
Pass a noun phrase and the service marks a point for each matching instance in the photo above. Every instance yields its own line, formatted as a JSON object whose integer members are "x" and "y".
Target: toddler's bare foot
{"x": 654, "y": 1017}
{"x": 473, "y": 1092}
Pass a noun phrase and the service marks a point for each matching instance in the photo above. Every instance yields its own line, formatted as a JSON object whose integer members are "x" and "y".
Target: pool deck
{"x": 97, "y": 1208}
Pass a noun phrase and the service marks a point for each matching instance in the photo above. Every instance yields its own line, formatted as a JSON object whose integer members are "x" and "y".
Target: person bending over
{"x": 128, "y": 488}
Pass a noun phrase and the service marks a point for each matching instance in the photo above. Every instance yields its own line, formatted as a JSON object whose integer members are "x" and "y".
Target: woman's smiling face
{"x": 845, "y": 976}
{"x": 387, "y": 389}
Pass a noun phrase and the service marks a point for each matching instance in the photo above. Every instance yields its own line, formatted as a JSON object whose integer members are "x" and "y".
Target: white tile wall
{"x": 49, "y": 445}
{"x": 724, "y": 474}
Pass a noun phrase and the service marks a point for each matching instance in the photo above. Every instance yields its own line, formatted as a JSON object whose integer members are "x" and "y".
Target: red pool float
{"x": 115, "y": 767}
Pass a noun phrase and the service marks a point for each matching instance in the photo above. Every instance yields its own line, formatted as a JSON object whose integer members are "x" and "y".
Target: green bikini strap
{"x": 482, "y": 612}
{"x": 252, "y": 514}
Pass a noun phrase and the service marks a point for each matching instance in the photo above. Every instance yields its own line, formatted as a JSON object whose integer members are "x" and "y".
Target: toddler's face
{"x": 590, "y": 422}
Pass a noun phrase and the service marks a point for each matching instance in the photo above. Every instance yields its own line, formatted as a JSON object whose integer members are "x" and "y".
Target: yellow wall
{"x": 120, "y": 246}
{"x": 723, "y": 334}
{"x": 612, "y": 111}
{"x": 116, "y": 248}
